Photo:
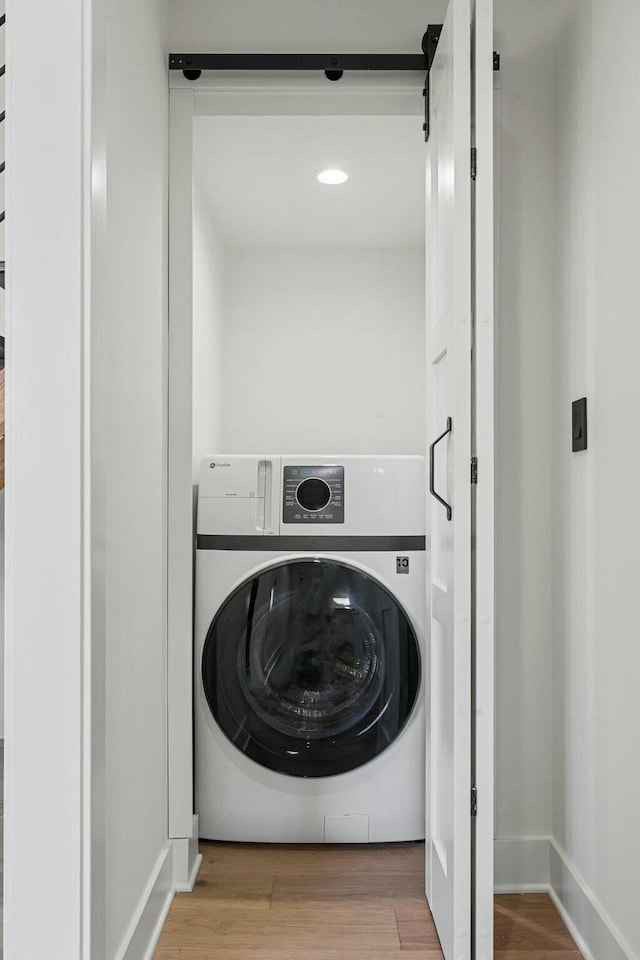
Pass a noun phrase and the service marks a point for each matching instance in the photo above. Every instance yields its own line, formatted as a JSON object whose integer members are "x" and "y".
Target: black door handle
{"x": 432, "y": 458}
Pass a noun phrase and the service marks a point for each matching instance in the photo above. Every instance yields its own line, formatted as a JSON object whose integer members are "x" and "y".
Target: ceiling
{"x": 256, "y": 176}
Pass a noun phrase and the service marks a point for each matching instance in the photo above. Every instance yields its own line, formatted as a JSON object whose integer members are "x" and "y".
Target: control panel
{"x": 313, "y": 495}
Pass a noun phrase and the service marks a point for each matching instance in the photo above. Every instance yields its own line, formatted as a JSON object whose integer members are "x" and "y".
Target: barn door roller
{"x": 429, "y": 46}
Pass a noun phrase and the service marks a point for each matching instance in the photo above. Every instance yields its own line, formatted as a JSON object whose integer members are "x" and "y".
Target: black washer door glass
{"x": 311, "y": 668}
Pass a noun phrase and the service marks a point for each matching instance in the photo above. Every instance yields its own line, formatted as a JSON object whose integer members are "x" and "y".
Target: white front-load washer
{"x": 309, "y": 648}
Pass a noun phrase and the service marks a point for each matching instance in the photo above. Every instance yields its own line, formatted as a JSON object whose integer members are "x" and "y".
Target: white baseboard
{"x": 539, "y": 865}
{"x": 187, "y": 860}
{"x": 195, "y": 870}
{"x": 521, "y": 864}
{"x": 175, "y": 871}
{"x": 145, "y": 928}
{"x": 584, "y": 916}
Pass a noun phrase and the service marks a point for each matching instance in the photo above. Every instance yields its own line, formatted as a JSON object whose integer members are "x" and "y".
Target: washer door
{"x": 311, "y": 668}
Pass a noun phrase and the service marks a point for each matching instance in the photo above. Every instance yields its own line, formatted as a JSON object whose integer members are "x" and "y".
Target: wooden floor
{"x": 266, "y": 902}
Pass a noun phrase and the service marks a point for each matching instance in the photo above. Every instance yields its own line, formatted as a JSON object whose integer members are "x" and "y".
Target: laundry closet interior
{"x": 309, "y": 298}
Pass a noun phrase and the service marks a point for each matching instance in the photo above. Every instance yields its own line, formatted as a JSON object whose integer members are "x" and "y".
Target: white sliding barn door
{"x": 452, "y": 884}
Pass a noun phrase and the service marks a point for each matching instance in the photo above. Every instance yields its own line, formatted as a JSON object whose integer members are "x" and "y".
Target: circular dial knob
{"x": 313, "y": 494}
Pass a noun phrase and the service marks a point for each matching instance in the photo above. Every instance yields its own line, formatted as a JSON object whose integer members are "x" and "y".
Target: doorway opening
{"x": 308, "y": 335}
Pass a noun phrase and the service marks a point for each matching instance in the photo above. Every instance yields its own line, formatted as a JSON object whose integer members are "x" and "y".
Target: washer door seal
{"x": 311, "y": 668}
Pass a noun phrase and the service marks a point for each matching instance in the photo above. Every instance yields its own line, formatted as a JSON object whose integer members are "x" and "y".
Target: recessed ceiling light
{"x": 332, "y": 177}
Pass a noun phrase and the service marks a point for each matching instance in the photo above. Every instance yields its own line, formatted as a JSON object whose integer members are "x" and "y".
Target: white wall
{"x": 525, "y": 38}
{"x": 324, "y": 351}
{"x": 137, "y": 849}
{"x": 86, "y": 765}
{"x": 596, "y": 510}
{"x": 209, "y": 310}
{"x": 46, "y": 505}
{"x": 292, "y": 26}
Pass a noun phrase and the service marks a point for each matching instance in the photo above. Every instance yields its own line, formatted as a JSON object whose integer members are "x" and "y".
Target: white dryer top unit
{"x": 303, "y": 495}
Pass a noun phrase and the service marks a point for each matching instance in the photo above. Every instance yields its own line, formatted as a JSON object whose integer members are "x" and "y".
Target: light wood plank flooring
{"x": 266, "y": 902}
